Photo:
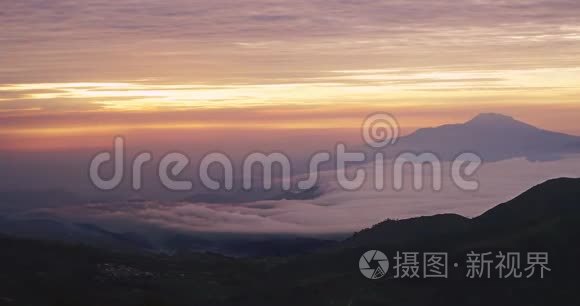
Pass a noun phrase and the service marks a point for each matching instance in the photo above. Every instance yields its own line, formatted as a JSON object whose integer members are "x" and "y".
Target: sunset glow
{"x": 189, "y": 63}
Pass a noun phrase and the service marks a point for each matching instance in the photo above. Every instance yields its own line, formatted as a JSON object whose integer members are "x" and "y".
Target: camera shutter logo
{"x": 373, "y": 264}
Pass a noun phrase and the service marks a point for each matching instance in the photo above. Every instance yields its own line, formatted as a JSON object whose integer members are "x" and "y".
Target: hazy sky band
{"x": 64, "y": 59}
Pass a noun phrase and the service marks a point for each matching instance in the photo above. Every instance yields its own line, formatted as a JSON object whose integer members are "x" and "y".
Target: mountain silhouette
{"x": 14, "y": 201}
{"x": 74, "y": 233}
{"x": 544, "y": 218}
{"x": 536, "y": 211}
{"x": 493, "y": 137}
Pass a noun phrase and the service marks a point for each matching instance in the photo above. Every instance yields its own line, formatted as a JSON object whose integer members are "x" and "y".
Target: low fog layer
{"x": 336, "y": 211}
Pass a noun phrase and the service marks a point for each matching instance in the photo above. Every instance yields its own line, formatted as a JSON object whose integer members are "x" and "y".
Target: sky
{"x": 238, "y": 76}
{"x": 75, "y": 73}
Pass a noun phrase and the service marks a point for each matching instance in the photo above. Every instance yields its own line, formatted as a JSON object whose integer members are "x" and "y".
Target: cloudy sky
{"x": 295, "y": 76}
{"x": 77, "y": 70}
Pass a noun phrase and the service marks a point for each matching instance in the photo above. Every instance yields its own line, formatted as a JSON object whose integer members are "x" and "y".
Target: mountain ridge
{"x": 532, "y": 207}
{"x": 328, "y": 277}
{"x": 494, "y": 137}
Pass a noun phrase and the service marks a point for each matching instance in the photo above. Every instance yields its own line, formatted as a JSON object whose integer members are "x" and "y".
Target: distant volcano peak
{"x": 487, "y": 118}
{"x": 495, "y": 119}
{"x": 494, "y": 137}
